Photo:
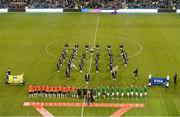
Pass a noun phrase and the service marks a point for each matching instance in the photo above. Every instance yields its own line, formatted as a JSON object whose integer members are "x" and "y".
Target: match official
{"x": 175, "y": 78}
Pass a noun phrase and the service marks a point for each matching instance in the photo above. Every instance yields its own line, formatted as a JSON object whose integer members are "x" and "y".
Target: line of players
{"x": 112, "y": 68}
{"x": 50, "y": 91}
{"x": 62, "y": 57}
{"x": 71, "y": 60}
{"x": 114, "y": 92}
{"x": 105, "y": 92}
{"x": 123, "y": 55}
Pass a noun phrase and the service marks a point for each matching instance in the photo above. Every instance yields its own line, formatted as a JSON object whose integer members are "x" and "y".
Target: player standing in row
{"x": 98, "y": 92}
{"x": 132, "y": 90}
{"x": 128, "y": 91}
{"x": 145, "y": 91}
{"x": 117, "y": 92}
{"x": 122, "y": 92}
{"x": 103, "y": 91}
{"x": 112, "y": 92}
{"x": 136, "y": 92}
{"x": 108, "y": 92}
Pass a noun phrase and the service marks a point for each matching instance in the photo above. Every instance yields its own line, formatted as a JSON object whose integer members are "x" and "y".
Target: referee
{"x": 136, "y": 73}
{"x": 175, "y": 78}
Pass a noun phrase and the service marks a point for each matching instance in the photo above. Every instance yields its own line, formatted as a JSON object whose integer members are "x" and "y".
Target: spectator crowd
{"x": 3, "y": 3}
{"x": 96, "y": 4}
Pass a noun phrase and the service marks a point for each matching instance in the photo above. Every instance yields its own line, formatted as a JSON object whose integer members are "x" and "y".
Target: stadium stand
{"x": 108, "y": 4}
{"x": 17, "y": 3}
{"x": 176, "y": 4}
{"x": 3, "y": 3}
{"x": 51, "y": 4}
{"x": 149, "y": 4}
{"x": 94, "y": 4}
{"x": 130, "y": 4}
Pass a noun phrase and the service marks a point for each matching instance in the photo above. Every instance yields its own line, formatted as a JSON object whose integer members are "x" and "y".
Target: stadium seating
{"x": 17, "y": 3}
{"x": 3, "y": 3}
{"x": 51, "y": 4}
{"x": 96, "y": 4}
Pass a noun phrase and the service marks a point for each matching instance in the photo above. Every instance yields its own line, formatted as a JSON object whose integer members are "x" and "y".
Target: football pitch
{"x": 32, "y": 43}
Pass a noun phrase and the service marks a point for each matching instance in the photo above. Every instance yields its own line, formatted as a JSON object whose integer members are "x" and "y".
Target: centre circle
{"x": 133, "y": 47}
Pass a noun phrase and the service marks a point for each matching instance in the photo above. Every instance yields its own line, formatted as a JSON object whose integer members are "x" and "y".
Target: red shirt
{"x": 51, "y": 89}
{"x": 43, "y": 88}
{"x": 73, "y": 88}
{"x": 36, "y": 88}
{"x": 40, "y": 88}
{"x": 60, "y": 88}
{"x": 64, "y": 89}
{"x": 30, "y": 88}
{"x": 56, "y": 88}
{"x": 68, "y": 88}
{"x": 47, "y": 88}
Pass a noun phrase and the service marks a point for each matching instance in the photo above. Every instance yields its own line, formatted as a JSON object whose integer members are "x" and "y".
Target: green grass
{"x": 24, "y": 37}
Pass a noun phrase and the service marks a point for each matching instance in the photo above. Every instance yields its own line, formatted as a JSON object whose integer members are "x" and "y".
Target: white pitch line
{"x": 89, "y": 71}
{"x": 46, "y": 48}
{"x": 139, "y": 51}
{"x": 141, "y": 48}
{"x": 95, "y": 35}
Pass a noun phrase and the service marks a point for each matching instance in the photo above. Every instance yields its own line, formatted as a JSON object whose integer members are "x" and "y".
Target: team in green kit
{"x": 116, "y": 92}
